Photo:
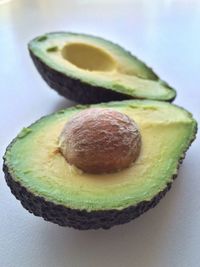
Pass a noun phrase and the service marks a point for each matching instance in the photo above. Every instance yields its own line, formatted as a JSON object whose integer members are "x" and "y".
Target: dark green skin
{"x": 81, "y": 219}
{"x": 75, "y": 89}
{"x": 78, "y": 219}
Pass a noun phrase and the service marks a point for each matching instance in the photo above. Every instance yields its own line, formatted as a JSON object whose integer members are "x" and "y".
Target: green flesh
{"x": 100, "y": 63}
{"x": 33, "y": 158}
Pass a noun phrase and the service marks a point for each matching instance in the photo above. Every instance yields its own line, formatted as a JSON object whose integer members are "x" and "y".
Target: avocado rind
{"x": 78, "y": 219}
{"x": 86, "y": 92}
{"x": 82, "y": 219}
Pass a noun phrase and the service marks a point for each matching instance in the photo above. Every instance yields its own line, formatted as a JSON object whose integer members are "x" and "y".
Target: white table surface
{"x": 166, "y": 35}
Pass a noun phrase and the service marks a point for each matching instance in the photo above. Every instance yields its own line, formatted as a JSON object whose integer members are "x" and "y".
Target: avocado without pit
{"x": 49, "y": 186}
{"x": 90, "y": 69}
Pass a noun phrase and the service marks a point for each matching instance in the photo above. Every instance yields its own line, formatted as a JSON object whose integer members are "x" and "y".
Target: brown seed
{"x": 100, "y": 140}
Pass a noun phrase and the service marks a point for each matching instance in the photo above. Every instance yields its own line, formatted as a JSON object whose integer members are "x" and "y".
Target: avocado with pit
{"x": 52, "y": 186}
{"x": 89, "y": 69}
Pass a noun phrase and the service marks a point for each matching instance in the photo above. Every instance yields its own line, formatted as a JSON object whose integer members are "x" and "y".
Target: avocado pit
{"x": 100, "y": 140}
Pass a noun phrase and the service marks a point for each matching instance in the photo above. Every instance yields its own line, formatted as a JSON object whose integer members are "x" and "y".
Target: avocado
{"x": 48, "y": 186}
{"x": 89, "y": 69}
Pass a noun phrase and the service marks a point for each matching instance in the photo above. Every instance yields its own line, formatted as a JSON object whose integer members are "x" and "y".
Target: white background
{"x": 166, "y": 35}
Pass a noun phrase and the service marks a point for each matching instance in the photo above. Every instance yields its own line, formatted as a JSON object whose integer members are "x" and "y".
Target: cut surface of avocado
{"x": 95, "y": 62}
{"x": 34, "y": 161}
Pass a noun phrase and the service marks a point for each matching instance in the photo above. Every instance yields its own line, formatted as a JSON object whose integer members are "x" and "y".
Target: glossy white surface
{"x": 166, "y": 35}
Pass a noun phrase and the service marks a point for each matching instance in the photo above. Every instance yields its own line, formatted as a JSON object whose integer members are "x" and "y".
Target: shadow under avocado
{"x": 63, "y": 103}
{"x": 134, "y": 244}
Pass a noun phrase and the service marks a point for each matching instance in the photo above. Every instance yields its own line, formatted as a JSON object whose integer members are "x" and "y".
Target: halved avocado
{"x": 89, "y": 69}
{"x": 48, "y": 186}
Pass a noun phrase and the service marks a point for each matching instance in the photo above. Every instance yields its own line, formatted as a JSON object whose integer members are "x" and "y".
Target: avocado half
{"x": 47, "y": 186}
{"x": 89, "y": 69}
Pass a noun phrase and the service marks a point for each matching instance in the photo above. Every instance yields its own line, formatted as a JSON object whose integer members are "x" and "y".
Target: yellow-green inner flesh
{"x": 34, "y": 159}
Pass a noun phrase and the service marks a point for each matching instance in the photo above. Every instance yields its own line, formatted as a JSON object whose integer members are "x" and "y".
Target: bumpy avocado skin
{"x": 82, "y": 219}
{"x": 78, "y": 219}
{"x": 74, "y": 89}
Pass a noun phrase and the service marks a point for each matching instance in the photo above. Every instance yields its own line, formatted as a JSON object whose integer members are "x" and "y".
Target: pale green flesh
{"x": 130, "y": 76}
{"x": 166, "y": 130}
